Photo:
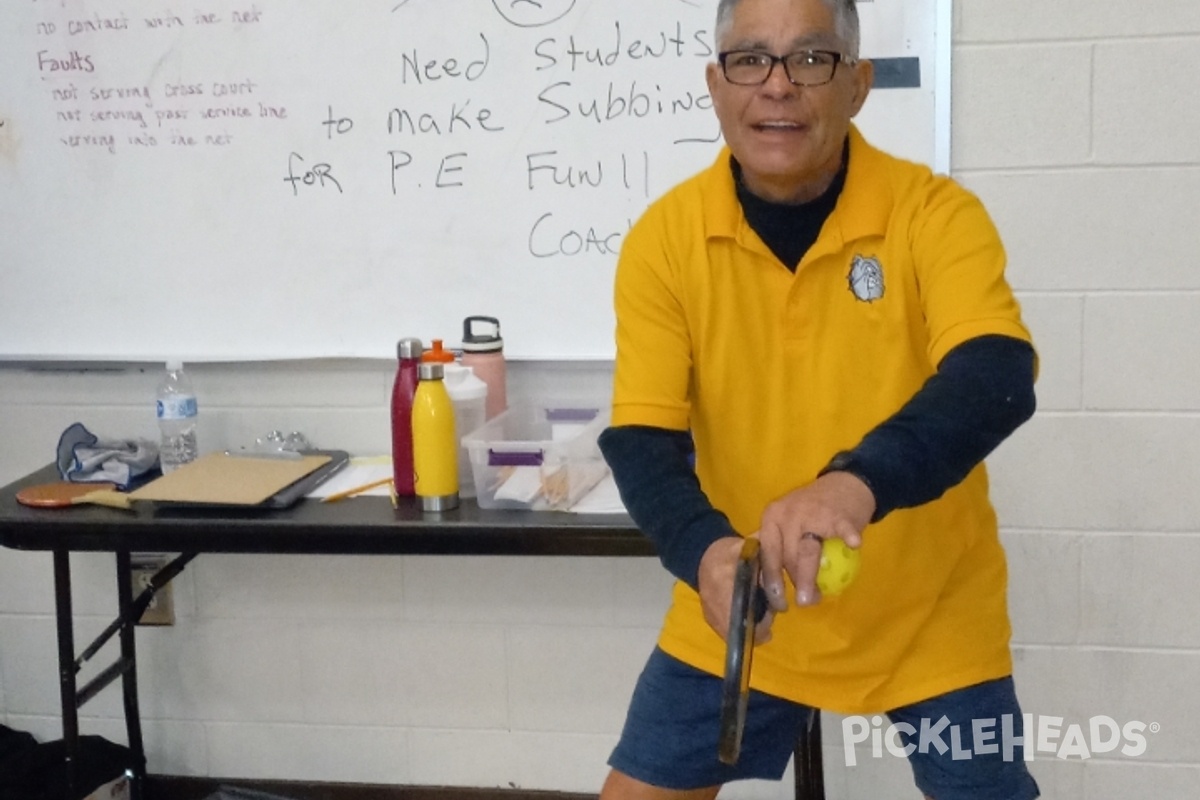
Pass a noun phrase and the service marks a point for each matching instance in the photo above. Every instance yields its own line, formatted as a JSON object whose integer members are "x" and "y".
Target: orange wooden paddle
{"x": 65, "y": 493}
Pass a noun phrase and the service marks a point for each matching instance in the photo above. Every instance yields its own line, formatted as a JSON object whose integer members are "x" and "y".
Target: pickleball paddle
{"x": 66, "y": 493}
{"x": 739, "y": 651}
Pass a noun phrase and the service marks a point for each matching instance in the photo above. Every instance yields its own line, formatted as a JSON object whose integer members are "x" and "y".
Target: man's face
{"x": 787, "y": 138}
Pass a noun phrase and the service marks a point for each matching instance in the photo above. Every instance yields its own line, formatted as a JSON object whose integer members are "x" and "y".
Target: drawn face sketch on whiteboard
{"x": 533, "y": 13}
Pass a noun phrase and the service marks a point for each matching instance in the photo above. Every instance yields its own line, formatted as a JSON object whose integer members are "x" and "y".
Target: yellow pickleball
{"x": 839, "y": 566}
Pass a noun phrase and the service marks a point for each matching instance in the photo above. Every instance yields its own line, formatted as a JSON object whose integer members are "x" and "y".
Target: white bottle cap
{"x": 462, "y": 384}
{"x": 487, "y": 342}
{"x": 174, "y": 365}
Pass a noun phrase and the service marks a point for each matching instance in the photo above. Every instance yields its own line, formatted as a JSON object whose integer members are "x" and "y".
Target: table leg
{"x": 129, "y": 688}
{"x": 66, "y": 663}
{"x": 807, "y": 762}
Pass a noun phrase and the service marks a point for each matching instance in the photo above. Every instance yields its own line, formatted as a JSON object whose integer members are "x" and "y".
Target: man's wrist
{"x": 847, "y": 461}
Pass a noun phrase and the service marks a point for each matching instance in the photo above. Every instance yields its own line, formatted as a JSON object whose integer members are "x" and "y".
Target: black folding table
{"x": 364, "y": 526}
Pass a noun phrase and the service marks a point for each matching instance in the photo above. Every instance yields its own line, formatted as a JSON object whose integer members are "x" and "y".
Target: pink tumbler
{"x": 483, "y": 352}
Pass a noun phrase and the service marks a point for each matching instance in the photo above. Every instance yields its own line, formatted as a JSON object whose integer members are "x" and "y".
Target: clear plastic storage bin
{"x": 539, "y": 456}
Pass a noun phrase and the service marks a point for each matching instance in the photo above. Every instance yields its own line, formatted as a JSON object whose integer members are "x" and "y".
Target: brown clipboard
{"x": 221, "y": 479}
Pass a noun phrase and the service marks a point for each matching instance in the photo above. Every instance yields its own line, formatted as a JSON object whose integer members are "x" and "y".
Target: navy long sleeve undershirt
{"x": 982, "y": 392}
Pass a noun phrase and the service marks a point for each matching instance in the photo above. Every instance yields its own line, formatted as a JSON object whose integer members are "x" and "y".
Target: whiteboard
{"x": 277, "y": 179}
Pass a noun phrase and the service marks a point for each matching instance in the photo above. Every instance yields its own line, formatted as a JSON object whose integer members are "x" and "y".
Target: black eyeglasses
{"x": 803, "y": 68}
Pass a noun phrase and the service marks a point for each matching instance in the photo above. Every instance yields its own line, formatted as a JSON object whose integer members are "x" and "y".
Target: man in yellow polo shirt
{"x": 826, "y": 331}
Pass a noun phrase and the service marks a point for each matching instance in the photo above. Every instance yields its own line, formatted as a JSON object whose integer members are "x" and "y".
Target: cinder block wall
{"x": 1076, "y": 124}
{"x": 1074, "y": 121}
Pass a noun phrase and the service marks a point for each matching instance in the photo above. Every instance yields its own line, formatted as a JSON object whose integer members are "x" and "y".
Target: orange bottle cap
{"x": 438, "y": 354}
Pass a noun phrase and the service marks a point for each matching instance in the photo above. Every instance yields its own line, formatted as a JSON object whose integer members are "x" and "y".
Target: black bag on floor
{"x": 32, "y": 771}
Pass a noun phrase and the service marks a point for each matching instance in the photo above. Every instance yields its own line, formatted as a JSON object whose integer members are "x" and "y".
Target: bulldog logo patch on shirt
{"x": 866, "y": 278}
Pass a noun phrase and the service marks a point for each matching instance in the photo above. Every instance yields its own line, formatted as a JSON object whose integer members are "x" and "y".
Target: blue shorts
{"x": 671, "y": 731}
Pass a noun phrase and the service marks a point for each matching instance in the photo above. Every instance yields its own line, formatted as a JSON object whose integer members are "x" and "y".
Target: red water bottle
{"x": 404, "y": 389}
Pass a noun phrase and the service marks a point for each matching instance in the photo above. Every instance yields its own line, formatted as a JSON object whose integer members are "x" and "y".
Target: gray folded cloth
{"x": 84, "y": 457}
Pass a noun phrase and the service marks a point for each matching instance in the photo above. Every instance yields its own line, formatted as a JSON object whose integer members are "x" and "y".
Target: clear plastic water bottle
{"x": 177, "y": 412}
{"x": 469, "y": 396}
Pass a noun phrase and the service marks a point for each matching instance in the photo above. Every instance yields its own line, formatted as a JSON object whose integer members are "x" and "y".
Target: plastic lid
{"x": 431, "y": 370}
{"x": 174, "y": 365}
{"x": 409, "y": 348}
{"x": 438, "y": 353}
{"x": 481, "y": 342}
{"x": 462, "y": 384}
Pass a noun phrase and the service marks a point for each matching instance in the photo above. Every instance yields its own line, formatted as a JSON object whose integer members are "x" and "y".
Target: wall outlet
{"x": 161, "y": 610}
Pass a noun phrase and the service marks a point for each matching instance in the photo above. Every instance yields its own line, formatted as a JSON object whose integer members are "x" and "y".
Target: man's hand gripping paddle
{"x": 739, "y": 650}
{"x": 839, "y": 567}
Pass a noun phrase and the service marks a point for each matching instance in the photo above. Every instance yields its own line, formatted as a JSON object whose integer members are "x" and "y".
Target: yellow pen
{"x": 366, "y": 487}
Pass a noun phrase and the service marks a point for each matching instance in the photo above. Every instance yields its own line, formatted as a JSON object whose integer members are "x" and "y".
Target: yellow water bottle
{"x": 435, "y": 443}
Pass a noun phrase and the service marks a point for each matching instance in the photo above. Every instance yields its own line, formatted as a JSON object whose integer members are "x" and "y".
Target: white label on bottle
{"x": 178, "y": 407}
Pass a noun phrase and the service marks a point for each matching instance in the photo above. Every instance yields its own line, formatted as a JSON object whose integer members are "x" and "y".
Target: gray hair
{"x": 845, "y": 19}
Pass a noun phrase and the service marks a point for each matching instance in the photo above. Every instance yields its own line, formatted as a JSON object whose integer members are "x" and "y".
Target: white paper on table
{"x": 523, "y": 485}
{"x": 602, "y": 499}
{"x": 359, "y": 472}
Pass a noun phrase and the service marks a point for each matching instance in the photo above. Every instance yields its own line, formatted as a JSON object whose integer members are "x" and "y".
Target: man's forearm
{"x": 653, "y": 472}
{"x": 982, "y": 392}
